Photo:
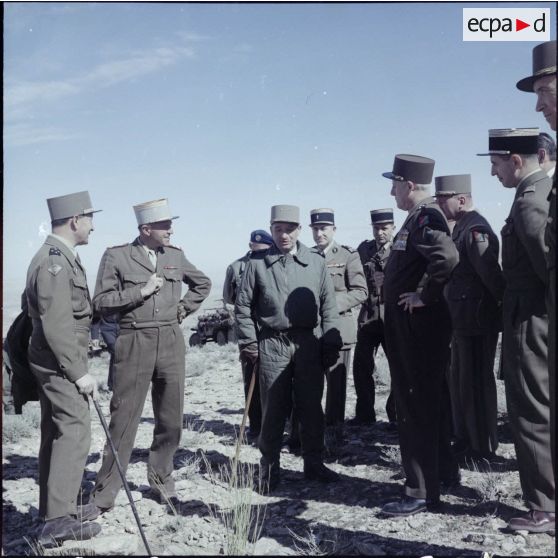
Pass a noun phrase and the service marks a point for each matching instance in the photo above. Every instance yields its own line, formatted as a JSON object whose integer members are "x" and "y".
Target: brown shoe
{"x": 534, "y": 521}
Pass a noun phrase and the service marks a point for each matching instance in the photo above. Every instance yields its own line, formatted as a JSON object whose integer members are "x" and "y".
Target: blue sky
{"x": 229, "y": 109}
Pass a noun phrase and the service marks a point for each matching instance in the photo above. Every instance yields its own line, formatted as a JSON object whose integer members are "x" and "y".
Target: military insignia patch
{"x": 54, "y": 252}
{"x": 423, "y": 221}
{"x": 54, "y": 269}
{"x": 479, "y": 236}
{"x": 400, "y": 242}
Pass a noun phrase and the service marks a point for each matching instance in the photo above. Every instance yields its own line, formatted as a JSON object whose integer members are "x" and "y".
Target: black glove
{"x": 181, "y": 313}
{"x": 250, "y": 353}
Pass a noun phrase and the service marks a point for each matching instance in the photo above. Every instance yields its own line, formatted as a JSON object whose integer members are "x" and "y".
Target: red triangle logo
{"x": 519, "y": 25}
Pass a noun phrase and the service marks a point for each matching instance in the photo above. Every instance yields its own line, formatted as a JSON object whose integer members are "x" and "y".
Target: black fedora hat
{"x": 544, "y": 64}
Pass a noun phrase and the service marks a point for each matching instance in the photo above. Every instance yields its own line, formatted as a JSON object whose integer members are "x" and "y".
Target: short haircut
{"x": 422, "y": 187}
{"x": 546, "y": 142}
{"x": 59, "y": 222}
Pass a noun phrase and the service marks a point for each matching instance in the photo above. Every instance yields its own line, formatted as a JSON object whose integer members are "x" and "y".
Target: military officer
{"x": 418, "y": 334}
{"x": 349, "y": 282}
{"x": 142, "y": 281}
{"x": 373, "y": 255}
{"x": 59, "y": 306}
{"x": 260, "y": 241}
{"x": 474, "y": 295}
{"x": 513, "y": 158}
{"x": 287, "y": 318}
{"x": 543, "y": 83}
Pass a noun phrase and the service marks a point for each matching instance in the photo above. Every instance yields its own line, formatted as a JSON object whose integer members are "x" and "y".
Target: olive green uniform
{"x": 474, "y": 295}
{"x": 60, "y": 307}
{"x": 525, "y": 339}
{"x": 149, "y": 350}
{"x": 233, "y": 277}
{"x": 422, "y": 259}
{"x": 286, "y": 305}
{"x": 370, "y": 335}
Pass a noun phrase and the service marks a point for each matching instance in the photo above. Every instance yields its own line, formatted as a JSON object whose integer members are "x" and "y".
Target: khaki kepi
{"x": 322, "y": 216}
{"x": 544, "y": 64}
{"x": 285, "y": 214}
{"x": 381, "y": 216}
{"x": 453, "y": 184}
{"x": 505, "y": 141}
{"x": 69, "y": 205}
{"x": 153, "y": 212}
{"x": 413, "y": 168}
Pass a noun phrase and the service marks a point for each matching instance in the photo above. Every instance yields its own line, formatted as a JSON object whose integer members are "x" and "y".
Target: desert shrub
{"x": 189, "y": 468}
{"x": 26, "y": 425}
{"x": 192, "y": 433}
{"x": 311, "y": 544}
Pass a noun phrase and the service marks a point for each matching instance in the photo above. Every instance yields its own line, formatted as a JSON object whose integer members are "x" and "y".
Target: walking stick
{"x": 122, "y": 476}
{"x": 246, "y": 409}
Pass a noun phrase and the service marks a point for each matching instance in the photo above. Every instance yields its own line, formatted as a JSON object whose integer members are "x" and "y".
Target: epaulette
{"x": 478, "y": 235}
{"x": 118, "y": 246}
{"x": 348, "y": 248}
{"x": 54, "y": 251}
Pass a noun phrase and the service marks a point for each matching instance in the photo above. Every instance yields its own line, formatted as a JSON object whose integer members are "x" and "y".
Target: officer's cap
{"x": 505, "y": 141}
{"x": 453, "y": 184}
{"x": 414, "y": 168}
{"x": 544, "y": 64}
{"x": 285, "y": 214}
{"x": 62, "y": 207}
{"x": 261, "y": 237}
{"x": 153, "y": 212}
{"x": 381, "y": 216}
{"x": 322, "y": 216}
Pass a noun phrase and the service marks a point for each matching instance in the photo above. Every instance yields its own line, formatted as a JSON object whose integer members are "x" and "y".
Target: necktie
{"x": 152, "y": 258}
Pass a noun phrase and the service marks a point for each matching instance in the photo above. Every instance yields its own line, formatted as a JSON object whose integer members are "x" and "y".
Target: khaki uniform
{"x": 149, "y": 350}
{"x": 474, "y": 295}
{"x": 525, "y": 339}
{"x": 422, "y": 258}
{"x": 60, "y": 307}
{"x": 233, "y": 277}
{"x": 287, "y": 305}
{"x": 370, "y": 335}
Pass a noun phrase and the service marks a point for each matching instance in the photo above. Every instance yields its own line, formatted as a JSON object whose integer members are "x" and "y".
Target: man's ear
{"x": 517, "y": 161}
{"x": 411, "y": 185}
{"x": 541, "y": 154}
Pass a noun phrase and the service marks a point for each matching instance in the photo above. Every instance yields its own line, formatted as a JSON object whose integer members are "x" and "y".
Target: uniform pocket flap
{"x": 172, "y": 274}
{"x": 136, "y": 278}
{"x": 79, "y": 282}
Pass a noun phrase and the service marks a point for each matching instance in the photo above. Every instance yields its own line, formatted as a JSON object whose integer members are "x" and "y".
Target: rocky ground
{"x": 302, "y": 518}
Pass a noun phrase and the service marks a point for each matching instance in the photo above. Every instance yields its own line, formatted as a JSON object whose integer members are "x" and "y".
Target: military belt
{"x": 143, "y": 325}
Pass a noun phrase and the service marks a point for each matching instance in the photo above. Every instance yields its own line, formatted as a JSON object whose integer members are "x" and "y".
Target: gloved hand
{"x": 181, "y": 313}
{"x": 330, "y": 354}
{"x": 87, "y": 385}
{"x": 250, "y": 353}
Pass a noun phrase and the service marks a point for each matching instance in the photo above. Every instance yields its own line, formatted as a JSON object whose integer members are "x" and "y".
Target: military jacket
{"x": 124, "y": 270}
{"x": 550, "y": 231}
{"x": 285, "y": 291}
{"x": 233, "y": 277}
{"x": 422, "y": 256}
{"x": 476, "y": 287}
{"x": 372, "y": 260}
{"x": 59, "y": 304}
{"x": 349, "y": 282}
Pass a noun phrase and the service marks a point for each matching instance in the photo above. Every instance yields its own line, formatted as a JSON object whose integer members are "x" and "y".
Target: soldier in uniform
{"x": 373, "y": 255}
{"x": 142, "y": 281}
{"x": 287, "y": 318}
{"x": 59, "y": 306}
{"x": 474, "y": 295}
{"x": 513, "y": 158}
{"x": 418, "y": 334}
{"x": 260, "y": 241}
{"x": 349, "y": 282}
{"x": 543, "y": 84}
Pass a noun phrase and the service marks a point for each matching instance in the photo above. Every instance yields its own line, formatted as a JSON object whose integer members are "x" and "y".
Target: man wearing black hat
{"x": 513, "y": 158}
{"x": 59, "y": 306}
{"x": 260, "y": 241}
{"x": 373, "y": 255}
{"x": 288, "y": 320}
{"x": 543, "y": 84}
{"x": 418, "y": 333}
{"x": 474, "y": 294}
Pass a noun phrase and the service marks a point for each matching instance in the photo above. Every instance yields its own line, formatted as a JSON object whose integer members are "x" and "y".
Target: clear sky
{"x": 227, "y": 109}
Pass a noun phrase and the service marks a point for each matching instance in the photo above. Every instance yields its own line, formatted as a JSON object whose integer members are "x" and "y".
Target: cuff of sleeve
{"x": 136, "y": 295}
{"x": 73, "y": 373}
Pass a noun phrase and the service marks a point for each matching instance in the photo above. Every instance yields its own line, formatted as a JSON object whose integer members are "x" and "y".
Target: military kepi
{"x": 505, "y": 141}
{"x": 381, "y": 216}
{"x": 322, "y": 216}
{"x": 69, "y": 205}
{"x": 153, "y": 212}
{"x": 453, "y": 184}
{"x": 544, "y": 64}
{"x": 261, "y": 237}
{"x": 285, "y": 214}
{"x": 414, "y": 168}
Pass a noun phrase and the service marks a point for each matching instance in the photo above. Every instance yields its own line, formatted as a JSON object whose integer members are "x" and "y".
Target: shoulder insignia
{"x": 118, "y": 246}
{"x": 54, "y": 251}
{"x": 423, "y": 220}
{"x": 348, "y": 248}
{"x": 479, "y": 236}
{"x": 54, "y": 269}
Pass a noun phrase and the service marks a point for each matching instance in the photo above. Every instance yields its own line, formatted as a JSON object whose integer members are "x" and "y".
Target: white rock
{"x": 115, "y": 545}
{"x": 122, "y": 498}
{"x": 270, "y": 547}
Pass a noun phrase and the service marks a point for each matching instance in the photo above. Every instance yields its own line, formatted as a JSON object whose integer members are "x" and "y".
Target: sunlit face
{"x": 83, "y": 228}
{"x": 158, "y": 234}
{"x": 449, "y": 205}
{"x": 503, "y": 167}
{"x": 545, "y": 89}
{"x": 285, "y": 235}
{"x": 323, "y": 235}
{"x": 400, "y": 190}
{"x": 383, "y": 233}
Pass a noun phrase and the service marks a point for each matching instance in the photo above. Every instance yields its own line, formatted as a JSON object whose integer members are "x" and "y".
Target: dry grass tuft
{"x": 311, "y": 544}
{"x": 26, "y": 425}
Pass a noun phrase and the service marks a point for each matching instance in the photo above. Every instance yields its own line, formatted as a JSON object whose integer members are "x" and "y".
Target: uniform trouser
{"x": 336, "y": 392}
{"x": 109, "y": 337}
{"x": 65, "y": 434}
{"x": 551, "y": 308}
{"x": 255, "y": 410}
{"x": 418, "y": 352}
{"x": 472, "y": 388}
{"x": 290, "y": 368}
{"x": 370, "y": 336}
{"x": 142, "y": 357}
{"x": 527, "y": 395}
